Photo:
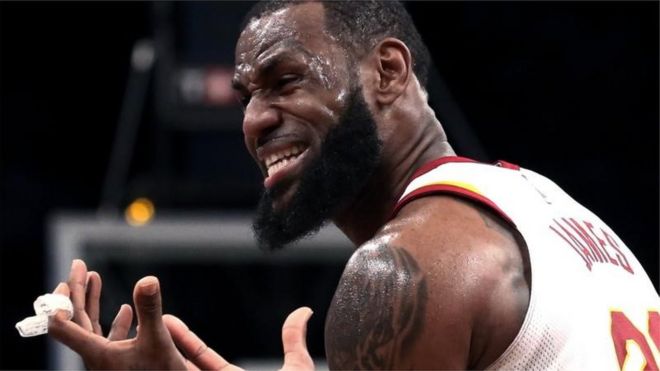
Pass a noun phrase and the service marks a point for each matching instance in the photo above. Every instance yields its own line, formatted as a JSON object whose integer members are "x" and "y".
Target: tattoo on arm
{"x": 378, "y": 310}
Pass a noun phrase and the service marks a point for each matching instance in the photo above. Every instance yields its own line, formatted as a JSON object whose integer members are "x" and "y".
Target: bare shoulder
{"x": 442, "y": 286}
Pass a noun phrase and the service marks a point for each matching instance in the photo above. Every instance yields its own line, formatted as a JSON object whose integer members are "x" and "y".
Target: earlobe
{"x": 394, "y": 69}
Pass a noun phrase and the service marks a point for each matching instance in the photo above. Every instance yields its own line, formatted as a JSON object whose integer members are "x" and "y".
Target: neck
{"x": 402, "y": 154}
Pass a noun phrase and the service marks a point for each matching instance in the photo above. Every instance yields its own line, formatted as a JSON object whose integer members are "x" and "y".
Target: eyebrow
{"x": 273, "y": 61}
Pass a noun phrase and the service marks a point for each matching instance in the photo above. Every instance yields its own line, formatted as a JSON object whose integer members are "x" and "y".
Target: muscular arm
{"x": 378, "y": 310}
{"x": 441, "y": 290}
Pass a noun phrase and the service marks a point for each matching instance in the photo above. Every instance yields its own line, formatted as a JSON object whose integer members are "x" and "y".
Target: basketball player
{"x": 458, "y": 265}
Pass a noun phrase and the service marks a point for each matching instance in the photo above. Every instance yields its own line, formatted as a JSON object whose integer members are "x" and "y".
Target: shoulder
{"x": 477, "y": 267}
{"x": 419, "y": 291}
{"x": 378, "y": 310}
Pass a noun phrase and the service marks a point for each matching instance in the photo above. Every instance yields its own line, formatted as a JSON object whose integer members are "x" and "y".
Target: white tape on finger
{"x": 33, "y": 326}
{"x": 44, "y": 307}
{"x": 50, "y": 303}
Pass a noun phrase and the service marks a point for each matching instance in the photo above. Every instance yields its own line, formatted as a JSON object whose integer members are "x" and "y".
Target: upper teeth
{"x": 278, "y": 160}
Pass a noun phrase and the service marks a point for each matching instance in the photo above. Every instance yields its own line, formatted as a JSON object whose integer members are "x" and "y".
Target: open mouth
{"x": 283, "y": 162}
{"x": 279, "y": 160}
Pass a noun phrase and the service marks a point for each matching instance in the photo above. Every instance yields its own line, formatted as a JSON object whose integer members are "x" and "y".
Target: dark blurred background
{"x": 569, "y": 89}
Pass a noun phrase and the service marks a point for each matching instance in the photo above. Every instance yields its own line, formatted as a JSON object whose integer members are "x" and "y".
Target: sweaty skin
{"x": 292, "y": 89}
{"x": 443, "y": 285}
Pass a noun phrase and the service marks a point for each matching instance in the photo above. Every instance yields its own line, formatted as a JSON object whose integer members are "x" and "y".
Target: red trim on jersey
{"x": 435, "y": 163}
{"x": 507, "y": 165}
{"x": 446, "y": 188}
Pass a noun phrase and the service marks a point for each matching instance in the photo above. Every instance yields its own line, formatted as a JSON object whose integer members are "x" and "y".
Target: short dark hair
{"x": 359, "y": 25}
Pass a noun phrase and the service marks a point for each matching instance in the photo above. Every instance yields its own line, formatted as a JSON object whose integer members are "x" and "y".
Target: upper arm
{"x": 378, "y": 311}
{"x": 444, "y": 294}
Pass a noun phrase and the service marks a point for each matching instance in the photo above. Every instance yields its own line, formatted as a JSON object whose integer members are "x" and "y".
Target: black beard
{"x": 348, "y": 157}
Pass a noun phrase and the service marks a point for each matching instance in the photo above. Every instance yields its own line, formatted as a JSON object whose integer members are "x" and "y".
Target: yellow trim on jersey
{"x": 454, "y": 183}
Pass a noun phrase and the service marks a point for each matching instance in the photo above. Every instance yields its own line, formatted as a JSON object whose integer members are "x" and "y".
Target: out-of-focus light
{"x": 139, "y": 212}
{"x": 218, "y": 87}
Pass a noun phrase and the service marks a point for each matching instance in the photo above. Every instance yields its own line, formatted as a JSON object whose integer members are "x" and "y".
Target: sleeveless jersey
{"x": 592, "y": 306}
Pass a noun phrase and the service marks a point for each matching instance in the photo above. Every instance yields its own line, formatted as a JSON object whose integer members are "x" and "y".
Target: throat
{"x": 367, "y": 214}
{"x": 372, "y": 209}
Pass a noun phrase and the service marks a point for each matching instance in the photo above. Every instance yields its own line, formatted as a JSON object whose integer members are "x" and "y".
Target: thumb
{"x": 294, "y": 332}
{"x": 148, "y": 306}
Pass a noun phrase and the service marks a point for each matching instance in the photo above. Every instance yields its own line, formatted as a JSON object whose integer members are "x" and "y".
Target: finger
{"x": 92, "y": 299}
{"x": 77, "y": 284}
{"x": 294, "y": 333}
{"x": 194, "y": 348}
{"x": 191, "y": 366}
{"x": 148, "y": 306}
{"x": 72, "y": 335}
{"x": 121, "y": 324}
{"x": 62, "y": 289}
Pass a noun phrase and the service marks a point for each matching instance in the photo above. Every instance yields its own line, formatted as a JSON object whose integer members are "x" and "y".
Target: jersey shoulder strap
{"x": 458, "y": 176}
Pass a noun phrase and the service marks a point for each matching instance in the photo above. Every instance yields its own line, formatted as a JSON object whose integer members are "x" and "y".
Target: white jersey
{"x": 592, "y": 305}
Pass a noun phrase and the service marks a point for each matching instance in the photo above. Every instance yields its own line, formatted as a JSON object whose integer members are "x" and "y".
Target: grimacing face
{"x": 293, "y": 80}
{"x": 306, "y": 123}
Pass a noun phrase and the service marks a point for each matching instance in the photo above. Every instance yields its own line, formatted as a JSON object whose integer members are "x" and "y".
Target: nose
{"x": 260, "y": 118}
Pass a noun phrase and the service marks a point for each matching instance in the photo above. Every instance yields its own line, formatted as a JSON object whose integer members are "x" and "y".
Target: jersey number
{"x": 625, "y": 335}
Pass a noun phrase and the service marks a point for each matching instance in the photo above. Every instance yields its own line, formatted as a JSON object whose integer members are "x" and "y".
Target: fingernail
{"x": 309, "y": 313}
{"x": 149, "y": 285}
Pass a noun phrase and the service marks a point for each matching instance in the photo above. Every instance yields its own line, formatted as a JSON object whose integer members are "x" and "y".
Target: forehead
{"x": 299, "y": 25}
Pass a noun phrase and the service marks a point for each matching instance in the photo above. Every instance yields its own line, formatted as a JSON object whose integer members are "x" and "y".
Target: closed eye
{"x": 287, "y": 79}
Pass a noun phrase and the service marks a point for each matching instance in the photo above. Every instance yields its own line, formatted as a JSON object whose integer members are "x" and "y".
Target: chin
{"x": 283, "y": 195}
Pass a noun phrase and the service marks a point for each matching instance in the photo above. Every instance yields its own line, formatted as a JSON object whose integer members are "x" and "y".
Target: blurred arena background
{"x": 111, "y": 108}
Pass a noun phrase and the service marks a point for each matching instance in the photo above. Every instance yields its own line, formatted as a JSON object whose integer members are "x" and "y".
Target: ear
{"x": 393, "y": 63}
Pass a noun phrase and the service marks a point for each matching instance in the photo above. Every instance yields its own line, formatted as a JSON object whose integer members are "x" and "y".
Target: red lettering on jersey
{"x": 622, "y": 258}
{"x": 654, "y": 328}
{"x": 586, "y": 238}
{"x": 601, "y": 242}
{"x": 582, "y": 251}
{"x": 624, "y": 330}
{"x": 591, "y": 248}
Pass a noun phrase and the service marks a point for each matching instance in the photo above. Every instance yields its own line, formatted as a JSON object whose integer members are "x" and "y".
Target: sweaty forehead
{"x": 302, "y": 23}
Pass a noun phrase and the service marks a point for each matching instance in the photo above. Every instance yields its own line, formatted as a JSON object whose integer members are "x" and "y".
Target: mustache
{"x": 347, "y": 158}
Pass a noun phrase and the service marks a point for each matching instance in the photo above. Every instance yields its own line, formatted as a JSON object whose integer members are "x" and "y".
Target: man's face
{"x": 300, "y": 120}
{"x": 293, "y": 81}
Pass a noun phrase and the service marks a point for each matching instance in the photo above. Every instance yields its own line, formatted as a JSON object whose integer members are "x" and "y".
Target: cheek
{"x": 331, "y": 104}
{"x": 331, "y": 77}
{"x": 318, "y": 110}
{"x": 319, "y": 68}
{"x": 328, "y": 118}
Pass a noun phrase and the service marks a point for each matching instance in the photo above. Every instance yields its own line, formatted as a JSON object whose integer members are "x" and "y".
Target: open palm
{"x": 159, "y": 338}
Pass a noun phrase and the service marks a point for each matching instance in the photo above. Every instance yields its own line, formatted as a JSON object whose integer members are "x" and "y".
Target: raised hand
{"x": 294, "y": 330}
{"x": 158, "y": 336}
{"x": 151, "y": 348}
